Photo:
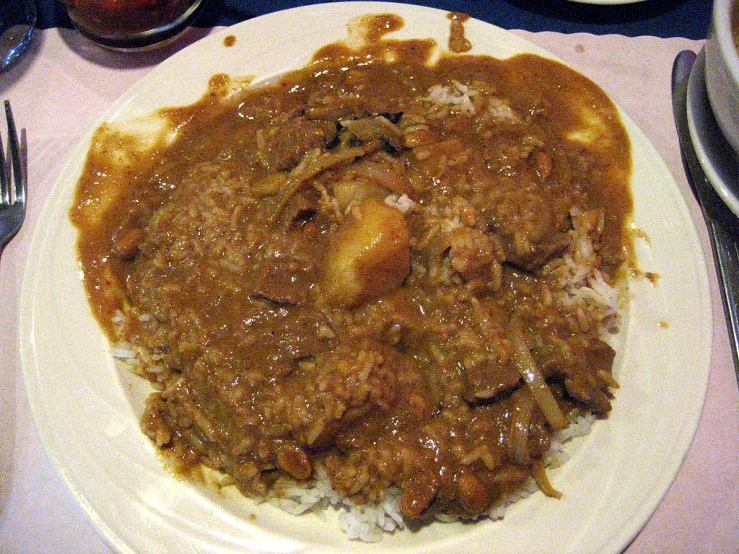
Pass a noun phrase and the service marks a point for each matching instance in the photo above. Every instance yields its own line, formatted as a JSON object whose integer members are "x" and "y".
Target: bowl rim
{"x": 724, "y": 12}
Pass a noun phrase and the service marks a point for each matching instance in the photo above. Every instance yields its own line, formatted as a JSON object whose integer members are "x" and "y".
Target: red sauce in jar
{"x": 109, "y": 21}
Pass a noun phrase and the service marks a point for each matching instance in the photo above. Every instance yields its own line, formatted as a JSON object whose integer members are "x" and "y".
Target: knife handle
{"x": 725, "y": 238}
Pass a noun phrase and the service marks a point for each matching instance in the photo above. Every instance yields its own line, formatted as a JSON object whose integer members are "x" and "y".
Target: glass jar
{"x": 131, "y": 24}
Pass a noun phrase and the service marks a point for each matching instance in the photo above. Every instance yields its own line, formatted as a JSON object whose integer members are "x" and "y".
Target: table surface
{"x": 63, "y": 85}
{"x": 660, "y": 18}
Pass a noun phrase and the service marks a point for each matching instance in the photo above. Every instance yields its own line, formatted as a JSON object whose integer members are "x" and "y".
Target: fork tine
{"x": 16, "y": 157}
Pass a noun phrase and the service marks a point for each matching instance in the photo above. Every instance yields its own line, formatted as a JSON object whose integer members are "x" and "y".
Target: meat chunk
{"x": 129, "y": 245}
{"x": 486, "y": 380}
{"x": 282, "y": 280}
{"x": 589, "y": 381}
{"x": 532, "y": 229}
{"x": 476, "y": 256}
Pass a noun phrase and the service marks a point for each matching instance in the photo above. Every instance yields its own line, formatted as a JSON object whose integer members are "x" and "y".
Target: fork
{"x": 12, "y": 184}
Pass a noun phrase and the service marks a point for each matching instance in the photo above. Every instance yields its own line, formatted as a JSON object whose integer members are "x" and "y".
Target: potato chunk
{"x": 368, "y": 256}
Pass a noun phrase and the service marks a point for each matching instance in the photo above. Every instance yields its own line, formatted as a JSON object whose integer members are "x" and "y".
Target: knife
{"x": 722, "y": 224}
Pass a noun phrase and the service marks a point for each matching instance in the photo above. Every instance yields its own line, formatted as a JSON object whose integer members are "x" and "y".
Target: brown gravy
{"x": 341, "y": 270}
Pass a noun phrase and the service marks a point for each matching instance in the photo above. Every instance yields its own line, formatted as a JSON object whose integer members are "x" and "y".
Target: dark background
{"x": 661, "y": 18}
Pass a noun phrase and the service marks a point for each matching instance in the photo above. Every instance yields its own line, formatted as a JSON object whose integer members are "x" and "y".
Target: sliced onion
{"x": 535, "y": 380}
{"x": 316, "y": 162}
{"x": 523, "y": 405}
{"x": 542, "y": 480}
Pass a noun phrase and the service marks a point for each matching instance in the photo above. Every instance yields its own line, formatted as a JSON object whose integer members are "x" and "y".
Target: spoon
{"x": 17, "y": 20}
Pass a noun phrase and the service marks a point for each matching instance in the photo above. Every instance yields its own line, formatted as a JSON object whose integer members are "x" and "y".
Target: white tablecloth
{"x": 64, "y": 84}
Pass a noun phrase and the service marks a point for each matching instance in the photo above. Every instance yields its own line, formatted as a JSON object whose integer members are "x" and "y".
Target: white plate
{"x": 716, "y": 156}
{"x": 87, "y": 413}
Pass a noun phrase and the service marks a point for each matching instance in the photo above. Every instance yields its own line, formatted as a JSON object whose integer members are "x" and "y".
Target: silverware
{"x": 12, "y": 184}
{"x": 723, "y": 226}
{"x": 17, "y": 22}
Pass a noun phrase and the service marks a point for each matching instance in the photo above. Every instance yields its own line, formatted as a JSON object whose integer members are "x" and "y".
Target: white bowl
{"x": 722, "y": 71}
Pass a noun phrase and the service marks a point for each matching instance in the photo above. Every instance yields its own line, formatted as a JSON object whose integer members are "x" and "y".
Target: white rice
{"x": 367, "y": 523}
{"x": 579, "y": 283}
{"x": 502, "y": 111}
{"x": 402, "y": 202}
{"x": 458, "y": 97}
{"x": 371, "y": 522}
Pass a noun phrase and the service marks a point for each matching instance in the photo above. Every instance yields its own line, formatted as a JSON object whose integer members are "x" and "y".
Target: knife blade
{"x": 722, "y": 224}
